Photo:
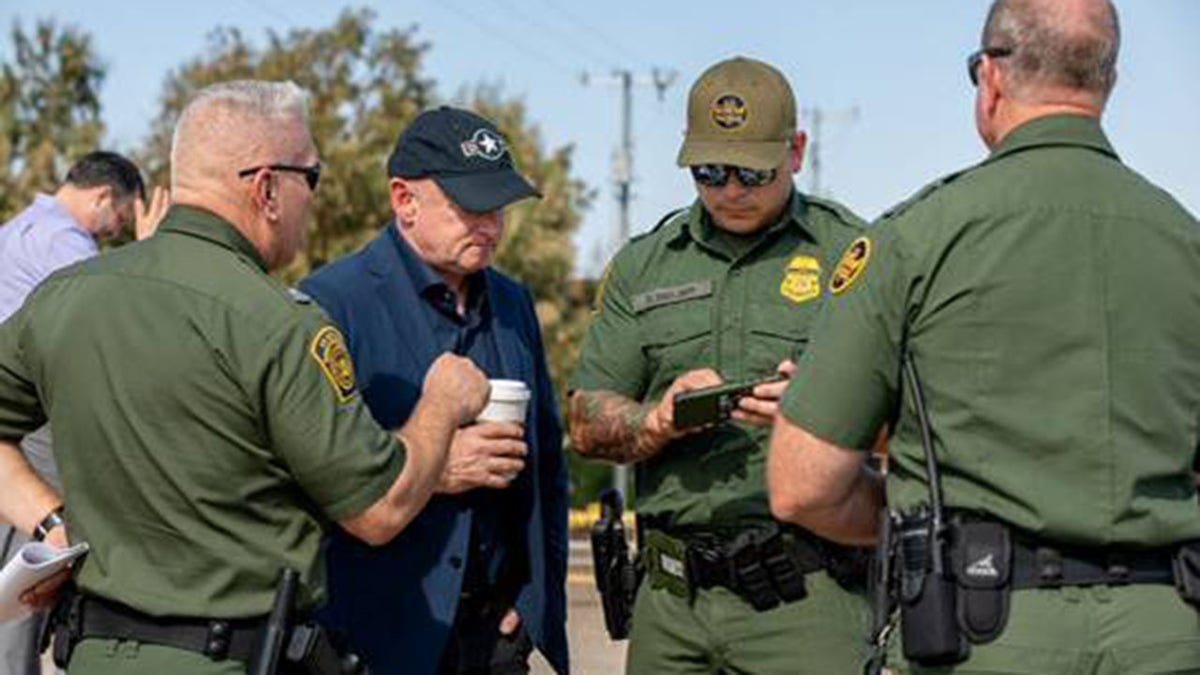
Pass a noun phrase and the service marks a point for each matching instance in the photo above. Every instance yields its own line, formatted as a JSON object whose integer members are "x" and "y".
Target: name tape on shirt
{"x": 672, "y": 295}
{"x": 328, "y": 348}
{"x": 851, "y": 266}
{"x": 802, "y": 279}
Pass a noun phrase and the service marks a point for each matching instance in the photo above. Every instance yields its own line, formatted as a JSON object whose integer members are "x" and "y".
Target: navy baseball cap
{"x": 465, "y": 155}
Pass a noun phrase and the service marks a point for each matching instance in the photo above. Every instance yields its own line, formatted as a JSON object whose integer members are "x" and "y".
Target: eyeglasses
{"x": 976, "y": 58}
{"x": 717, "y": 175}
{"x": 312, "y": 174}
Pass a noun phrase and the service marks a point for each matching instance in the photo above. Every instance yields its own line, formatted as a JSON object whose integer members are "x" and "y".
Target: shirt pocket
{"x": 676, "y": 338}
{"x": 769, "y": 345}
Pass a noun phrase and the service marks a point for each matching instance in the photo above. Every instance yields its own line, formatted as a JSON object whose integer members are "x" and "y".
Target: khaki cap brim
{"x": 749, "y": 154}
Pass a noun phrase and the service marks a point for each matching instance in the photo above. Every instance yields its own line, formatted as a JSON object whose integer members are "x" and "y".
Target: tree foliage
{"x": 49, "y": 110}
{"x": 366, "y": 84}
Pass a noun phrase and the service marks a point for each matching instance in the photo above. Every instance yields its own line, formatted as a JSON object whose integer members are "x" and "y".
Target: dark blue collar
{"x": 428, "y": 282}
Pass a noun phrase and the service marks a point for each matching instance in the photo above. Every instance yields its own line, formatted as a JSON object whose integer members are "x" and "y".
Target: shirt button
{"x": 455, "y": 562}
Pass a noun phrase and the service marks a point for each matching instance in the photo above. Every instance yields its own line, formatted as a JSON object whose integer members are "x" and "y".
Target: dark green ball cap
{"x": 740, "y": 112}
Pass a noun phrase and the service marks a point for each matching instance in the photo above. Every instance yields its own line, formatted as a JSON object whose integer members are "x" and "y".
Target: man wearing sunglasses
{"x": 207, "y": 421}
{"x": 1046, "y": 302}
{"x": 725, "y": 290}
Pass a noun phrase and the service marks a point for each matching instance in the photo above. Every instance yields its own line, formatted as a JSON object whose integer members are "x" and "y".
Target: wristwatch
{"x": 51, "y": 521}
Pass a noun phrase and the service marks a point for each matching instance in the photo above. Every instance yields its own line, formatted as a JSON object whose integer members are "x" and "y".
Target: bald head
{"x": 230, "y": 126}
{"x": 1060, "y": 47}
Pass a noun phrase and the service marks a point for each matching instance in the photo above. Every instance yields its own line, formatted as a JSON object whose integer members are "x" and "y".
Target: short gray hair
{"x": 237, "y": 103}
{"x": 1053, "y": 48}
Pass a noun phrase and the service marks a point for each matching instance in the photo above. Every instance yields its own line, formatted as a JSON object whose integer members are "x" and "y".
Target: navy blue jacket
{"x": 397, "y": 602}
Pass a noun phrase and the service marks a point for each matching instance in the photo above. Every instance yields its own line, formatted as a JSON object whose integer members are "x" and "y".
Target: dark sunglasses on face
{"x": 976, "y": 58}
{"x": 312, "y": 174}
{"x": 717, "y": 175}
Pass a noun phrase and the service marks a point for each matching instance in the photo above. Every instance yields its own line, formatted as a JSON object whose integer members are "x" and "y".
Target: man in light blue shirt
{"x": 102, "y": 195}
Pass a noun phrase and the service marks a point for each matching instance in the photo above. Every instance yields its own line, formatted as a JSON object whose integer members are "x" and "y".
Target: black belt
{"x": 1042, "y": 566}
{"x": 217, "y": 639}
{"x": 713, "y": 560}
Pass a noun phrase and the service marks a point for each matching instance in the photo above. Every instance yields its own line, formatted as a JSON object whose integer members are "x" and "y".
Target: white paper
{"x": 33, "y": 562}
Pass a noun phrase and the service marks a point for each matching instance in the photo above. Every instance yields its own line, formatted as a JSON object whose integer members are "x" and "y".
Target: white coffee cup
{"x": 508, "y": 403}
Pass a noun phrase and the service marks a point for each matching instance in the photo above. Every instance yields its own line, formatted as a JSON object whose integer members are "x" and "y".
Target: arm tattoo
{"x": 608, "y": 426}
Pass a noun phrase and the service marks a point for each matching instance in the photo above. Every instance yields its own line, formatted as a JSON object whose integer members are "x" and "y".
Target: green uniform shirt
{"x": 205, "y": 420}
{"x": 1051, "y": 300}
{"x": 679, "y": 298}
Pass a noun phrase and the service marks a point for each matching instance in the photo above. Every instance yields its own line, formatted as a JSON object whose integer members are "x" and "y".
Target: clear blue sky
{"x": 899, "y": 65}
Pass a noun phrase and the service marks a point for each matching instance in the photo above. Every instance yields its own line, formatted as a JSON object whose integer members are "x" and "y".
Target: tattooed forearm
{"x": 609, "y": 426}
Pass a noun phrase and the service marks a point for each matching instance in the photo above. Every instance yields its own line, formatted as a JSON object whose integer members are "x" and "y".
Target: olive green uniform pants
{"x": 128, "y": 657}
{"x": 1144, "y": 629}
{"x": 718, "y": 632}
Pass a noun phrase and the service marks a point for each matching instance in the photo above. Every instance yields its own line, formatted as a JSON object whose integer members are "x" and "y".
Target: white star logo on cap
{"x": 486, "y": 144}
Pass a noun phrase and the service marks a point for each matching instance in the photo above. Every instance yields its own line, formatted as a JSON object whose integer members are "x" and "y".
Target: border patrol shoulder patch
{"x": 851, "y": 266}
{"x": 328, "y": 349}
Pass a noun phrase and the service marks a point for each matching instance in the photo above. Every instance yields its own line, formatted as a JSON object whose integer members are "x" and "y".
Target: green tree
{"x": 367, "y": 85}
{"x": 49, "y": 110}
{"x": 364, "y": 86}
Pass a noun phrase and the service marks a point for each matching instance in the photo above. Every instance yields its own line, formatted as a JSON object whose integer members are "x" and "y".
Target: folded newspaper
{"x": 32, "y": 563}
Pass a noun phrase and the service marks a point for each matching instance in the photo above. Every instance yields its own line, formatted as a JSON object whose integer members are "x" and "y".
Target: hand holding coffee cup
{"x": 509, "y": 402}
{"x": 491, "y": 452}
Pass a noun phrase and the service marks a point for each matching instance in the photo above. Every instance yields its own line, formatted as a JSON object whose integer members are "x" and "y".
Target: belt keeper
{"x": 1119, "y": 573}
{"x": 1050, "y": 567}
{"x": 216, "y": 647}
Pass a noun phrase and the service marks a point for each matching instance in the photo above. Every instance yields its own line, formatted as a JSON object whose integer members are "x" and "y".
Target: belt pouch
{"x": 983, "y": 569}
{"x": 928, "y": 626}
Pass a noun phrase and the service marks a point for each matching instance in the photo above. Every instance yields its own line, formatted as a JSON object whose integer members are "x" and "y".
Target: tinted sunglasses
{"x": 976, "y": 58}
{"x": 717, "y": 175}
{"x": 312, "y": 174}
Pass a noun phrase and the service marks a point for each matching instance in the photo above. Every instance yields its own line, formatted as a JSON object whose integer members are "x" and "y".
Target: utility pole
{"x": 622, "y": 171}
{"x": 816, "y": 141}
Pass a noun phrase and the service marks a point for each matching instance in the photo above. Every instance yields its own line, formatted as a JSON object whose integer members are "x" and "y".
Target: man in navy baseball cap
{"x": 484, "y": 564}
{"x": 465, "y": 155}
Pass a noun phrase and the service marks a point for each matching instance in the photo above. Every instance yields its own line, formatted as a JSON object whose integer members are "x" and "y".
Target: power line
{"x": 271, "y": 11}
{"x": 597, "y": 33}
{"x": 491, "y": 30}
{"x": 549, "y": 29}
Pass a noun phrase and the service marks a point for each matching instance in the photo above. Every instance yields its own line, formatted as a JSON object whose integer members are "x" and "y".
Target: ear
{"x": 264, "y": 193}
{"x": 102, "y": 194}
{"x": 799, "y": 145}
{"x": 405, "y": 204}
{"x": 992, "y": 85}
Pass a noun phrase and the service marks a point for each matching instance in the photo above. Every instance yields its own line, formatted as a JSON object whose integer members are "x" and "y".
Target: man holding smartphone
{"x": 723, "y": 291}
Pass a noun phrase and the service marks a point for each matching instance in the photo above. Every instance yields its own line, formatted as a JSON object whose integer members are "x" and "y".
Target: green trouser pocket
{"x": 666, "y": 563}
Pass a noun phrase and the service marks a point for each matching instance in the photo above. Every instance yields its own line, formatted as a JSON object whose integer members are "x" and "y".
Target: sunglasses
{"x": 312, "y": 174}
{"x": 976, "y": 58}
{"x": 717, "y": 175}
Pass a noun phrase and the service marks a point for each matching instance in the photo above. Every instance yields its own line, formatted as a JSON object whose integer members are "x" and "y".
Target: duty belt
{"x": 1043, "y": 566}
{"x": 89, "y": 616}
{"x": 764, "y": 565}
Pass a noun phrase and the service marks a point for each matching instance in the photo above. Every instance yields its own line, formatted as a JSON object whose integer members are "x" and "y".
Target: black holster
{"x": 617, "y": 574}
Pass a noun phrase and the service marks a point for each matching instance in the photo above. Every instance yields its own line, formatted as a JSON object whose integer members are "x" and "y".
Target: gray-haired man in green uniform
{"x": 206, "y": 419}
{"x": 723, "y": 291}
{"x": 1049, "y": 298}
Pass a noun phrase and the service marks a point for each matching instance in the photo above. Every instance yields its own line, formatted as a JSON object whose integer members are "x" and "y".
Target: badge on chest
{"x": 802, "y": 279}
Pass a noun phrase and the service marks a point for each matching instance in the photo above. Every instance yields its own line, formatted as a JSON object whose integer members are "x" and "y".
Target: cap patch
{"x": 484, "y": 143}
{"x": 729, "y": 111}
{"x": 852, "y": 264}
{"x": 328, "y": 349}
{"x": 802, "y": 280}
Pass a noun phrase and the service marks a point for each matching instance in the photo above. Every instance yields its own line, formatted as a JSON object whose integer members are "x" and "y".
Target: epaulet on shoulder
{"x": 300, "y": 297}
{"x": 845, "y": 215}
{"x": 662, "y": 222}
{"x": 924, "y": 193}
